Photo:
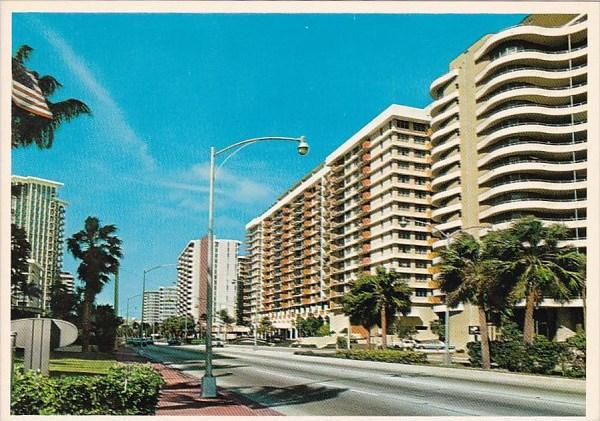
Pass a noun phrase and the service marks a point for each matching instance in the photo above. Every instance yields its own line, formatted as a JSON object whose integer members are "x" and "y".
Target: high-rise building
{"x": 38, "y": 210}
{"x": 190, "y": 292}
{"x": 344, "y": 219}
{"x": 192, "y": 278}
{"x": 509, "y": 138}
{"x": 66, "y": 278}
{"x": 151, "y": 312}
{"x": 34, "y": 279}
{"x": 167, "y": 302}
{"x": 243, "y": 314}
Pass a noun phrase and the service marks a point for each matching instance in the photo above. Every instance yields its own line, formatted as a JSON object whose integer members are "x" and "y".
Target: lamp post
{"x": 142, "y": 333}
{"x": 404, "y": 223}
{"x": 127, "y": 312}
{"x": 209, "y": 382}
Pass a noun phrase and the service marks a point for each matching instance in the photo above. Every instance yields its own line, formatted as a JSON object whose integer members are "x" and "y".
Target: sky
{"x": 163, "y": 88}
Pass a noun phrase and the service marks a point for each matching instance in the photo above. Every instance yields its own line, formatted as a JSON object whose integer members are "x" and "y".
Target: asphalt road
{"x": 293, "y": 386}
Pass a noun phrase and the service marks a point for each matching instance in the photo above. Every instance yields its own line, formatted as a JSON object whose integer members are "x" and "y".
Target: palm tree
{"x": 99, "y": 251}
{"x": 28, "y": 128}
{"x": 227, "y": 320}
{"x": 541, "y": 268}
{"x": 473, "y": 272}
{"x": 376, "y": 299}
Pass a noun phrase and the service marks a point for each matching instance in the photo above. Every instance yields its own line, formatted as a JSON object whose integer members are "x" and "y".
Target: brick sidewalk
{"x": 181, "y": 395}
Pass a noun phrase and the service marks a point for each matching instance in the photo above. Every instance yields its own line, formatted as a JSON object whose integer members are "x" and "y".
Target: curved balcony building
{"x": 509, "y": 133}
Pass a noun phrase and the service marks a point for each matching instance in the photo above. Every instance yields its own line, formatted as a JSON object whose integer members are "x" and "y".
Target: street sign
{"x": 474, "y": 330}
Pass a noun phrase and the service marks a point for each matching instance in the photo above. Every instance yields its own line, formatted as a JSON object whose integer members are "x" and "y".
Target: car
{"x": 217, "y": 343}
{"x": 432, "y": 345}
{"x": 173, "y": 341}
{"x": 405, "y": 344}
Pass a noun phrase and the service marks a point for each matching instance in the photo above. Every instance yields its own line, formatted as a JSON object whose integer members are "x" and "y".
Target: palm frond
{"x": 23, "y": 53}
{"x": 48, "y": 84}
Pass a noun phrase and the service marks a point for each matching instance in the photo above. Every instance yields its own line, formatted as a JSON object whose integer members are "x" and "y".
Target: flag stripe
{"x": 30, "y": 98}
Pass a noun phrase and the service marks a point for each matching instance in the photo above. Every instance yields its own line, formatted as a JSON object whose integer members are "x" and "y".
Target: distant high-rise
{"x": 66, "y": 278}
{"x": 151, "y": 313}
{"x": 38, "y": 210}
{"x": 192, "y": 277}
{"x": 167, "y": 302}
{"x": 189, "y": 291}
{"x": 243, "y": 313}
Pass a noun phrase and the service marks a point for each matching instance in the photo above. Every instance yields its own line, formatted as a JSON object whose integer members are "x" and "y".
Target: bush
{"x": 574, "y": 356}
{"x": 125, "y": 390}
{"x": 342, "y": 342}
{"x": 105, "y": 323}
{"x": 512, "y": 354}
{"x": 387, "y": 355}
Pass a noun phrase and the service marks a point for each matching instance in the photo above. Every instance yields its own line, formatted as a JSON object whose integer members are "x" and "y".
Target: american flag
{"x": 26, "y": 94}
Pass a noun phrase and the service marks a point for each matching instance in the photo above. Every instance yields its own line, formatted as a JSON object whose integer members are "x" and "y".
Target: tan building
{"x": 343, "y": 219}
{"x": 243, "y": 307}
{"x": 509, "y": 138}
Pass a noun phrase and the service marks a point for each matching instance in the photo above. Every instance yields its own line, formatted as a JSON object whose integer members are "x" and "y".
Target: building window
{"x": 419, "y": 127}
{"x": 402, "y": 124}
{"x": 420, "y": 292}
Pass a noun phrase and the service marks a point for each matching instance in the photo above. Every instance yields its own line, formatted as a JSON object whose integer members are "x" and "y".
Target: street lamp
{"x": 142, "y": 333}
{"x": 209, "y": 382}
{"x": 403, "y": 223}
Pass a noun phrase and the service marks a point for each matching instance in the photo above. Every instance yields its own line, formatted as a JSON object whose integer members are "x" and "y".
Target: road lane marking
{"x": 362, "y": 391}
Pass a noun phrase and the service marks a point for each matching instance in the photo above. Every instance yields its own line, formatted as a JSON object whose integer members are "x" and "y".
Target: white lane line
{"x": 362, "y": 391}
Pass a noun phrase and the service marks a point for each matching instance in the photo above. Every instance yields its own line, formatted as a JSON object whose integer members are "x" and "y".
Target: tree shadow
{"x": 257, "y": 398}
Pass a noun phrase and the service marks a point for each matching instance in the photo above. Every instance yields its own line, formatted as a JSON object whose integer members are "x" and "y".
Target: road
{"x": 294, "y": 386}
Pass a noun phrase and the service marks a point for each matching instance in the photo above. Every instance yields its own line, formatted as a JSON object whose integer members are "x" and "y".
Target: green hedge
{"x": 541, "y": 357}
{"x": 387, "y": 355}
{"x": 126, "y": 390}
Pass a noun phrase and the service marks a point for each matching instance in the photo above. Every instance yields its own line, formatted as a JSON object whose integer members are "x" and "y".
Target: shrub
{"x": 105, "y": 323}
{"x": 573, "y": 357}
{"x": 125, "y": 390}
{"x": 512, "y": 354}
{"x": 342, "y": 342}
{"x": 387, "y": 355}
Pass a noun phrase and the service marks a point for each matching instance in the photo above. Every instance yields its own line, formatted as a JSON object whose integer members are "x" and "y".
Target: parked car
{"x": 405, "y": 344}
{"x": 432, "y": 345}
{"x": 173, "y": 341}
{"x": 217, "y": 343}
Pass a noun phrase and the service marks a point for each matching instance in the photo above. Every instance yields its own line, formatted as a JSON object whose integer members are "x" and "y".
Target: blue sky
{"x": 164, "y": 87}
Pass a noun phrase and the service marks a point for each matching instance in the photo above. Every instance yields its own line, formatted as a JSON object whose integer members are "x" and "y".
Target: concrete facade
{"x": 41, "y": 213}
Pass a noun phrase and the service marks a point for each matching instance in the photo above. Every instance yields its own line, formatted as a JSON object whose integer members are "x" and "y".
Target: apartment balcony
{"x": 527, "y": 146}
{"x": 442, "y": 81}
{"x": 445, "y": 162}
{"x": 533, "y": 185}
{"x": 533, "y": 204}
{"x": 530, "y": 33}
{"x": 529, "y": 128}
{"x": 526, "y": 166}
{"x": 449, "y": 225}
{"x": 558, "y": 76}
{"x": 446, "y": 194}
{"x": 438, "y": 181}
{"x": 444, "y": 146}
{"x": 445, "y": 131}
{"x": 513, "y": 111}
{"x": 439, "y": 103}
{"x": 437, "y": 214}
{"x": 531, "y": 93}
{"x": 442, "y": 117}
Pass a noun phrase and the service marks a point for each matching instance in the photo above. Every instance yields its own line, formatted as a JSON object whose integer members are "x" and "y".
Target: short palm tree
{"x": 99, "y": 251}
{"x": 376, "y": 299}
{"x": 227, "y": 320}
{"x": 541, "y": 268}
{"x": 472, "y": 271}
{"x": 28, "y": 128}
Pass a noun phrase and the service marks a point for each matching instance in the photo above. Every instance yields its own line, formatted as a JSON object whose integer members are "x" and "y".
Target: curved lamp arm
{"x": 300, "y": 139}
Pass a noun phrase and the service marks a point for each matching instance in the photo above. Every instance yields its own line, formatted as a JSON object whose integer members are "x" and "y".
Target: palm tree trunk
{"x": 528, "y": 328}
{"x": 485, "y": 341}
{"x": 85, "y": 322}
{"x": 369, "y": 337}
{"x": 383, "y": 328}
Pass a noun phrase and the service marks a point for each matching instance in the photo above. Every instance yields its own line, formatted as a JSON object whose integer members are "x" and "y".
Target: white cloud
{"x": 109, "y": 115}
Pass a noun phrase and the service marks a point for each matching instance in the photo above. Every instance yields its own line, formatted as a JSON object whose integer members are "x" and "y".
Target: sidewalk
{"x": 181, "y": 394}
